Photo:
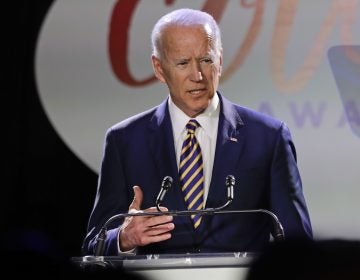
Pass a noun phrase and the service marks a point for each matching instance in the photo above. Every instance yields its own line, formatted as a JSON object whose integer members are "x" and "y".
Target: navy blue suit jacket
{"x": 255, "y": 148}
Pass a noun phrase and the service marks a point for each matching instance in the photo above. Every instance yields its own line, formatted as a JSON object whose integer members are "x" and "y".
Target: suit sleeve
{"x": 287, "y": 200}
{"x": 112, "y": 197}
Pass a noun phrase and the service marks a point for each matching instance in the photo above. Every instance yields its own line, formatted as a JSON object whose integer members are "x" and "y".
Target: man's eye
{"x": 181, "y": 63}
{"x": 206, "y": 60}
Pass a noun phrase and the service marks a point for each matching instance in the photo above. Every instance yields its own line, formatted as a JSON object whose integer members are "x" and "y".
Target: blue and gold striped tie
{"x": 191, "y": 172}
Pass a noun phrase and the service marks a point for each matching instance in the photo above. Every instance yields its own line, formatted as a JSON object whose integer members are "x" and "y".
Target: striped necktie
{"x": 191, "y": 172}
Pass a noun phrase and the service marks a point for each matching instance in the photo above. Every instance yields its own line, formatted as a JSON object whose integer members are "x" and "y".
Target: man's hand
{"x": 140, "y": 231}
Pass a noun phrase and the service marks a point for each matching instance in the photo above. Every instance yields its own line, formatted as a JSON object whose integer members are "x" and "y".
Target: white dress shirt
{"x": 206, "y": 135}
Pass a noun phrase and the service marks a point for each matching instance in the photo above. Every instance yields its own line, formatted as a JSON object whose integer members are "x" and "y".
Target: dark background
{"x": 47, "y": 192}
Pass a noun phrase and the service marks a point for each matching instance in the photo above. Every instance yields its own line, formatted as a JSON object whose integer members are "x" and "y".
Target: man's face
{"x": 190, "y": 66}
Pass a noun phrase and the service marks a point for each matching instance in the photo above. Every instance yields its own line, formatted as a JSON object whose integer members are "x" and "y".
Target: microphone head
{"x": 230, "y": 181}
{"x": 167, "y": 182}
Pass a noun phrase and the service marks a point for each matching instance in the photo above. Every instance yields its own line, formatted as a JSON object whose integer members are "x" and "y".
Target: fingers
{"x": 153, "y": 233}
{"x": 160, "y": 229}
{"x": 143, "y": 230}
{"x": 155, "y": 221}
{"x": 138, "y": 199}
{"x": 145, "y": 239}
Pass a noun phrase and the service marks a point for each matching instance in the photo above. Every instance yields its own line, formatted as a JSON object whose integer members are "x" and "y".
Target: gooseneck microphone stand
{"x": 278, "y": 231}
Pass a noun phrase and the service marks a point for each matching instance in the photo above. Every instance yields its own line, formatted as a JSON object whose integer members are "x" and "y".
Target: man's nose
{"x": 196, "y": 74}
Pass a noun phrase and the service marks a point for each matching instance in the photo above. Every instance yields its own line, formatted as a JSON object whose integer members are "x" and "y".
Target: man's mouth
{"x": 196, "y": 91}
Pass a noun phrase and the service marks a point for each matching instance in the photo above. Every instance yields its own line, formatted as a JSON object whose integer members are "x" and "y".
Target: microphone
{"x": 165, "y": 186}
{"x": 278, "y": 231}
{"x": 230, "y": 183}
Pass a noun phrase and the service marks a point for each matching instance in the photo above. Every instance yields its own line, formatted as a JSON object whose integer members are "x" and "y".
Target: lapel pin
{"x": 233, "y": 139}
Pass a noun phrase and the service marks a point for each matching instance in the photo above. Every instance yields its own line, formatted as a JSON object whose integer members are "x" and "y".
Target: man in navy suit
{"x": 140, "y": 151}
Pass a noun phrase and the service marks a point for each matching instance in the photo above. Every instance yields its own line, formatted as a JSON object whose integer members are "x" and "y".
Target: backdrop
{"x": 89, "y": 67}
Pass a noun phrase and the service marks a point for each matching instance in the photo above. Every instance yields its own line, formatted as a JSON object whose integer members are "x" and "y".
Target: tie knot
{"x": 192, "y": 125}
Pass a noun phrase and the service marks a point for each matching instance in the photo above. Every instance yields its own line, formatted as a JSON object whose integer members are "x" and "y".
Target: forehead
{"x": 187, "y": 38}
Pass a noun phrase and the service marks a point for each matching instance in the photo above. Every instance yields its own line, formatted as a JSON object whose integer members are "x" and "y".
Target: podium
{"x": 207, "y": 266}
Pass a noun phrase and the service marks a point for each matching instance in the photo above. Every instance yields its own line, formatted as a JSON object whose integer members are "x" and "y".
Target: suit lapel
{"x": 229, "y": 146}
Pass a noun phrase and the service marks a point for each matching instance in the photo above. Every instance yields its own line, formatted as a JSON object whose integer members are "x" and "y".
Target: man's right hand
{"x": 141, "y": 231}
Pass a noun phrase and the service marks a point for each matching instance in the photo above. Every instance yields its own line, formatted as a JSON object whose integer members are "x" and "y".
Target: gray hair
{"x": 185, "y": 17}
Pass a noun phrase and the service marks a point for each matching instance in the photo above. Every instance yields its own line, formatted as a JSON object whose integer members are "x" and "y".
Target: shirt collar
{"x": 208, "y": 119}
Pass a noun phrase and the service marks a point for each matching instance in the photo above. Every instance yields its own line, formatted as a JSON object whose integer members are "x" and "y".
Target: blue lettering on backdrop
{"x": 312, "y": 114}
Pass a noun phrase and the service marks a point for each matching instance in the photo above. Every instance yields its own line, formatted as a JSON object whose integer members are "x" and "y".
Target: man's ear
{"x": 220, "y": 63}
{"x": 159, "y": 74}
